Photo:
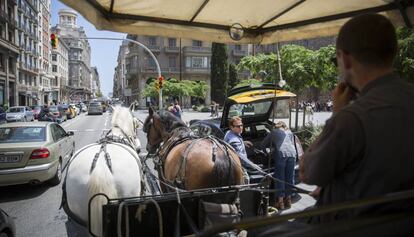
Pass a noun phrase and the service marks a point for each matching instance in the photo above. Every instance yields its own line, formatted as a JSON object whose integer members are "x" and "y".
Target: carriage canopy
{"x": 262, "y": 21}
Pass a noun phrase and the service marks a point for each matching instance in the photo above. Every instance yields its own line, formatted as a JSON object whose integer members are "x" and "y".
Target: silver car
{"x": 19, "y": 113}
{"x": 95, "y": 108}
{"x": 33, "y": 152}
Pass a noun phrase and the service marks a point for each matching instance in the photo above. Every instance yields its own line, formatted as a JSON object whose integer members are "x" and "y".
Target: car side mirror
{"x": 71, "y": 133}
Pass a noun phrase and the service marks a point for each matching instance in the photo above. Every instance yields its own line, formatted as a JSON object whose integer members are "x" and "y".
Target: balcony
{"x": 154, "y": 48}
{"x": 197, "y": 50}
{"x": 132, "y": 70}
{"x": 239, "y": 53}
{"x": 172, "y": 49}
{"x": 197, "y": 70}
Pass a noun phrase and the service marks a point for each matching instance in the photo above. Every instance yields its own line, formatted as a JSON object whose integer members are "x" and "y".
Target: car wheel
{"x": 58, "y": 176}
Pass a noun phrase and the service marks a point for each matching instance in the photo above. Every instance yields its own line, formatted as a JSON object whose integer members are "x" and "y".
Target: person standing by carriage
{"x": 355, "y": 157}
{"x": 234, "y": 138}
{"x": 282, "y": 143}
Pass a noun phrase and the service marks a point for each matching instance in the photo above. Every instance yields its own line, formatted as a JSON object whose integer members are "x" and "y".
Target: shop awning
{"x": 262, "y": 21}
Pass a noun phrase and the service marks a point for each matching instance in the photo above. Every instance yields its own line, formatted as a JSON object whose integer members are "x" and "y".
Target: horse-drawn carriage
{"x": 224, "y": 21}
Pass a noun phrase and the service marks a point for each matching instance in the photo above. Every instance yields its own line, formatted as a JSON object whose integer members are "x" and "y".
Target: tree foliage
{"x": 175, "y": 88}
{"x": 301, "y": 68}
{"x": 219, "y": 72}
{"x": 404, "y": 63}
{"x": 233, "y": 80}
{"x": 262, "y": 66}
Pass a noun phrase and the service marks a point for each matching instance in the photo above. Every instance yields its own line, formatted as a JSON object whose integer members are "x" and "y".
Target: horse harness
{"x": 103, "y": 144}
{"x": 179, "y": 136}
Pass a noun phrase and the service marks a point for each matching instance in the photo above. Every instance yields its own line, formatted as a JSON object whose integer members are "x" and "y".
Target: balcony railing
{"x": 197, "y": 49}
{"x": 197, "y": 70}
{"x": 154, "y": 48}
{"x": 237, "y": 52}
{"x": 172, "y": 49}
{"x": 165, "y": 70}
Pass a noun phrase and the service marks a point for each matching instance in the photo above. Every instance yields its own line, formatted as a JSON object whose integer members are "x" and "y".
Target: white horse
{"x": 111, "y": 166}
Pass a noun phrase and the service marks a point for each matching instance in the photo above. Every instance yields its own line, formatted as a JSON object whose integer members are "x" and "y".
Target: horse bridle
{"x": 160, "y": 139}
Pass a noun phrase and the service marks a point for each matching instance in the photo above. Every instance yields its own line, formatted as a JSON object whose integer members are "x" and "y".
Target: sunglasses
{"x": 238, "y": 126}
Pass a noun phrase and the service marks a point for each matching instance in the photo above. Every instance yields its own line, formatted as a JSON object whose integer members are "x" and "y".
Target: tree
{"x": 404, "y": 63}
{"x": 219, "y": 73}
{"x": 233, "y": 80}
{"x": 262, "y": 66}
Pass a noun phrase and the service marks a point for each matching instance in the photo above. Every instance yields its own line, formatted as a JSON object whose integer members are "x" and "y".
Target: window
{"x": 197, "y": 62}
{"x": 151, "y": 63}
{"x": 197, "y": 43}
{"x": 152, "y": 40}
{"x": 54, "y": 68}
{"x": 237, "y": 47}
{"x": 2, "y": 62}
{"x": 172, "y": 42}
{"x": 54, "y": 57}
{"x": 11, "y": 65}
{"x": 172, "y": 62}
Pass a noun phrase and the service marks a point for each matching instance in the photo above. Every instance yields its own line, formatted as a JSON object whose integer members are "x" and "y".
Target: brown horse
{"x": 187, "y": 161}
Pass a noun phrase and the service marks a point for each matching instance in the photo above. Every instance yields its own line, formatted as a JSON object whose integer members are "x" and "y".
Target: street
{"x": 35, "y": 209}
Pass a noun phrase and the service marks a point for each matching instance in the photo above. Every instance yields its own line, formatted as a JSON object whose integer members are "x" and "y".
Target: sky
{"x": 104, "y": 53}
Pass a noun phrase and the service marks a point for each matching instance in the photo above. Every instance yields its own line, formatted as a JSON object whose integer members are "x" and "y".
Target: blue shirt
{"x": 236, "y": 141}
{"x": 282, "y": 141}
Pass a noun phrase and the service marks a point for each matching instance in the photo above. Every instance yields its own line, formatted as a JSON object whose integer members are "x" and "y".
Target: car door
{"x": 68, "y": 141}
{"x": 59, "y": 146}
{"x": 29, "y": 114}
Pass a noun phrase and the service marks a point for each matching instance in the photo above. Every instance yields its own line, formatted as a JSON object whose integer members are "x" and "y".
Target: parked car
{"x": 58, "y": 112}
{"x": 75, "y": 109}
{"x": 255, "y": 105}
{"x": 7, "y": 226}
{"x": 95, "y": 108}
{"x": 33, "y": 152}
{"x": 19, "y": 113}
{"x": 2, "y": 116}
{"x": 36, "y": 110}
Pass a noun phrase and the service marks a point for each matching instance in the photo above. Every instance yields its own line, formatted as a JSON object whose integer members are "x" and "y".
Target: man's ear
{"x": 347, "y": 59}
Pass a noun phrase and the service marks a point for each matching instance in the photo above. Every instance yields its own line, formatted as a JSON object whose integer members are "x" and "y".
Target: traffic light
{"x": 157, "y": 86}
{"x": 53, "y": 41}
{"x": 160, "y": 81}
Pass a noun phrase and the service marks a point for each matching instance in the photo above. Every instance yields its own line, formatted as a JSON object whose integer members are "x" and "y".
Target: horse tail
{"x": 224, "y": 169}
{"x": 100, "y": 181}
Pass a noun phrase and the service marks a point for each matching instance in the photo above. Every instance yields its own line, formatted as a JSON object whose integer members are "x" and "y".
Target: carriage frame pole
{"x": 132, "y": 41}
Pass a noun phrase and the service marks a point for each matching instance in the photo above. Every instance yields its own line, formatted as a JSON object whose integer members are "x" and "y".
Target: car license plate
{"x": 10, "y": 158}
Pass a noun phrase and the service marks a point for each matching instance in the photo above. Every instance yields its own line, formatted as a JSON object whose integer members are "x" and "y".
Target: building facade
{"x": 183, "y": 59}
{"x": 120, "y": 83}
{"x": 9, "y": 53}
{"x": 95, "y": 83}
{"x": 60, "y": 72}
{"x": 47, "y": 89}
{"x": 28, "y": 65}
{"x": 79, "y": 83}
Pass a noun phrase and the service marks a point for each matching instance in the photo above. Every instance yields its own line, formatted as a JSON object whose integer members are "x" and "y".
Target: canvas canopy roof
{"x": 262, "y": 21}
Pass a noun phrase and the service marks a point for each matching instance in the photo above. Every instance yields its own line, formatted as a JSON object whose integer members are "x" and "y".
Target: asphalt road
{"x": 35, "y": 209}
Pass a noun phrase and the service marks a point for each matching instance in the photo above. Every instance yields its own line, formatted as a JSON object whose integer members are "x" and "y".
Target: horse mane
{"x": 122, "y": 118}
{"x": 171, "y": 121}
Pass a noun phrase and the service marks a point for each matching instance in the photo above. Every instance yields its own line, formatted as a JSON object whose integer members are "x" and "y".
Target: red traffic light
{"x": 52, "y": 36}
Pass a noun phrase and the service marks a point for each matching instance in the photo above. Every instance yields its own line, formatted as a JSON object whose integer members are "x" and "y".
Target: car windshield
{"x": 53, "y": 109}
{"x": 22, "y": 134}
{"x": 94, "y": 104}
{"x": 250, "y": 109}
{"x": 16, "y": 110}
